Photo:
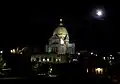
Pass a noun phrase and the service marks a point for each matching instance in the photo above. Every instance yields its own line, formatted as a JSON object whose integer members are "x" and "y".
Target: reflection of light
{"x": 99, "y": 70}
{"x": 104, "y": 58}
{"x": 91, "y": 53}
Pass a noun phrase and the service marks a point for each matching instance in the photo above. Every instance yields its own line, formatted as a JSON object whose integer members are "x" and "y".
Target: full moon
{"x": 99, "y": 12}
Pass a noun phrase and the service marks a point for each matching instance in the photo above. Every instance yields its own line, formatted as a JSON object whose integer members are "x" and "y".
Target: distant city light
{"x": 111, "y": 55}
{"x": 60, "y": 20}
{"x": 87, "y": 70}
{"x": 91, "y": 53}
{"x": 43, "y": 60}
{"x": 12, "y": 51}
{"x": 75, "y": 60}
{"x": 1, "y": 51}
{"x": 78, "y": 53}
{"x": 104, "y": 58}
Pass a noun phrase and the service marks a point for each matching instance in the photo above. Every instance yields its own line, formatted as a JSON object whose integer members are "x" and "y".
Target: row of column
{"x": 41, "y": 59}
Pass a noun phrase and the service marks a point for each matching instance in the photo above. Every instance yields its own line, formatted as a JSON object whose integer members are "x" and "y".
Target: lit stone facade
{"x": 59, "y": 42}
{"x": 58, "y": 47}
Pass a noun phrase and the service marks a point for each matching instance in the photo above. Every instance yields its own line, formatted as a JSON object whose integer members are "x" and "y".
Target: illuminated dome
{"x": 61, "y": 31}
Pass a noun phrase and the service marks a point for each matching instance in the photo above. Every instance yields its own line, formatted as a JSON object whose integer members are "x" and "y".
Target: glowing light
{"x": 87, "y": 70}
{"x": 96, "y": 55}
{"x": 78, "y": 53}
{"x": 111, "y": 55}
{"x": 48, "y": 59}
{"x": 20, "y": 52}
{"x": 104, "y": 58}
{"x": 56, "y": 59}
{"x": 12, "y": 51}
{"x": 43, "y": 59}
{"x": 91, "y": 53}
{"x": 60, "y": 20}
{"x": 59, "y": 59}
{"x": 75, "y": 60}
{"x": 1, "y": 51}
{"x": 99, "y": 70}
{"x": 99, "y": 12}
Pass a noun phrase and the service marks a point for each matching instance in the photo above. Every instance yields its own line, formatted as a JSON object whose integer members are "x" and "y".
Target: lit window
{"x": 56, "y": 60}
{"x": 99, "y": 70}
{"x": 43, "y": 59}
{"x": 48, "y": 59}
{"x": 59, "y": 59}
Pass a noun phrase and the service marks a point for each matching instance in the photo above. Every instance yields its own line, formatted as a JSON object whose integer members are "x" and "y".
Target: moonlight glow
{"x": 99, "y": 13}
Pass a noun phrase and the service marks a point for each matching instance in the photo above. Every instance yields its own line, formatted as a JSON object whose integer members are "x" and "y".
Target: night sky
{"x": 35, "y": 23}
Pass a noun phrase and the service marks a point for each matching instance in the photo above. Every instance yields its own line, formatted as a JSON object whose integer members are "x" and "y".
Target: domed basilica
{"x": 59, "y": 42}
{"x": 58, "y": 48}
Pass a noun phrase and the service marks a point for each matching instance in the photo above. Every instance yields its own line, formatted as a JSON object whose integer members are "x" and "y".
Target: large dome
{"x": 61, "y": 32}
